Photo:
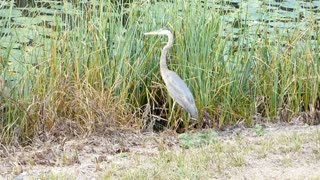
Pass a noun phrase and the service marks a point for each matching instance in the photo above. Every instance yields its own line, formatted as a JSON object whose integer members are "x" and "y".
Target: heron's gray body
{"x": 177, "y": 89}
{"x": 180, "y": 93}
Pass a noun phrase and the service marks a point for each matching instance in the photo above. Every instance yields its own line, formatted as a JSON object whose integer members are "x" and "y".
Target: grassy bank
{"x": 103, "y": 72}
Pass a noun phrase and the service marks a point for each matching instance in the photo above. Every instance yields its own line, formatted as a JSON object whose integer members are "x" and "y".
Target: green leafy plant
{"x": 198, "y": 139}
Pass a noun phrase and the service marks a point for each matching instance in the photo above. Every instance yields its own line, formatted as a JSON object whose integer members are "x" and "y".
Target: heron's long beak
{"x": 157, "y": 32}
{"x": 151, "y": 33}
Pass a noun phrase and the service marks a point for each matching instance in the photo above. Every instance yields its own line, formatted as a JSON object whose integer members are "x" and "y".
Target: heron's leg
{"x": 174, "y": 103}
{"x": 191, "y": 121}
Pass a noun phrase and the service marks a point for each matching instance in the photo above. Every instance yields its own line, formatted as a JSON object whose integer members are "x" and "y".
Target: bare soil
{"x": 293, "y": 153}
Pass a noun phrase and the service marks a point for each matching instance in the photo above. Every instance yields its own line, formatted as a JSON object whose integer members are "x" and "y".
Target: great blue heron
{"x": 177, "y": 89}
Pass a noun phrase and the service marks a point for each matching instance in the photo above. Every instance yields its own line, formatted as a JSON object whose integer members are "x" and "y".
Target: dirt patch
{"x": 270, "y": 152}
{"x": 80, "y": 157}
{"x": 282, "y": 152}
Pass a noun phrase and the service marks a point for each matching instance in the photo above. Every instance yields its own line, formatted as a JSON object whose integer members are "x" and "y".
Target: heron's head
{"x": 159, "y": 32}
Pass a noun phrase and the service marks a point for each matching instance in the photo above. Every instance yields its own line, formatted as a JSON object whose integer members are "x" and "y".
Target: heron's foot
{"x": 193, "y": 123}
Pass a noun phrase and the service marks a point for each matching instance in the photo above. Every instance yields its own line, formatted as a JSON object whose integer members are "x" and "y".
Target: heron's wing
{"x": 178, "y": 89}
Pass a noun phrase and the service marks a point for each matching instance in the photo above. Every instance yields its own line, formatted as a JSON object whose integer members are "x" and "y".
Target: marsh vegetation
{"x": 75, "y": 75}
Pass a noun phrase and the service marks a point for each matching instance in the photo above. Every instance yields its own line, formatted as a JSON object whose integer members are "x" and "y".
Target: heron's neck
{"x": 163, "y": 59}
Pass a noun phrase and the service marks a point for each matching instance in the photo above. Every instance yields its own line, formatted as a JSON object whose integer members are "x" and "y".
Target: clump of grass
{"x": 290, "y": 143}
{"x": 265, "y": 148}
{"x": 236, "y": 159}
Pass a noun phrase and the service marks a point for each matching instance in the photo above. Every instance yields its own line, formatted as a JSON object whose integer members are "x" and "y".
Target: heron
{"x": 177, "y": 88}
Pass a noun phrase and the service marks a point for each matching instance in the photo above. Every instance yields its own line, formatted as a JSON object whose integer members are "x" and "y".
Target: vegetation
{"x": 93, "y": 68}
